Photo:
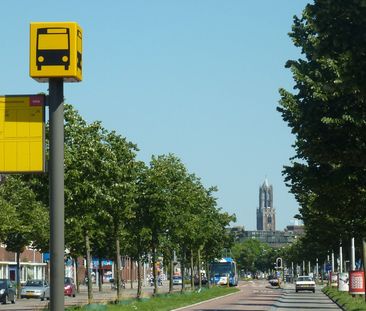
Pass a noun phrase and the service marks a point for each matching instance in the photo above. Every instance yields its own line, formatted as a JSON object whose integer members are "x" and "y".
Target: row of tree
{"x": 254, "y": 256}
{"x": 327, "y": 115}
{"x": 116, "y": 205}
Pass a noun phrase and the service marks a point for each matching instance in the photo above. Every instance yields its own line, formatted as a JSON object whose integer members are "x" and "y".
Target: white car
{"x": 35, "y": 289}
{"x": 305, "y": 282}
{"x": 177, "y": 280}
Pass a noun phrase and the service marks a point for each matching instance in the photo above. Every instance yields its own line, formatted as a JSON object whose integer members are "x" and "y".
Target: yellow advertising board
{"x": 55, "y": 51}
{"x": 22, "y": 133}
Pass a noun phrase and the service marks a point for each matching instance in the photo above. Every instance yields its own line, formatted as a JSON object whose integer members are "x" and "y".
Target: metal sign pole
{"x": 56, "y": 171}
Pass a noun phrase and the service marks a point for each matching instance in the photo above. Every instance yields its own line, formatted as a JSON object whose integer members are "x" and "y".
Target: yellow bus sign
{"x": 55, "y": 51}
{"x": 22, "y": 133}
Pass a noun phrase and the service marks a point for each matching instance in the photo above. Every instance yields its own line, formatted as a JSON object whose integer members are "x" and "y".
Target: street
{"x": 259, "y": 295}
{"x": 254, "y": 295}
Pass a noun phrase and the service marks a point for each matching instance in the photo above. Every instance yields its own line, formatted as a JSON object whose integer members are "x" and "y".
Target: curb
{"x": 201, "y": 302}
{"x": 334, "y": 301}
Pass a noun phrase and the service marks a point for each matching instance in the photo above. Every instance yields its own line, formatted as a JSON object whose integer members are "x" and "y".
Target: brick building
{"x": 31, "y": 265}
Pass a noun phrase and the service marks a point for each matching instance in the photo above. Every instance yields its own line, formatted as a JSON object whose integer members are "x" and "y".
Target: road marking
{"x": 199, "y": 303}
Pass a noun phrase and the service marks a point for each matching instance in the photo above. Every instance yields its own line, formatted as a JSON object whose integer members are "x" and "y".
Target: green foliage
{"x": 253, "y": 255}
{"x": 345, "y": 300}
{"x": 327, "y": 115}
{"x": 111, "y": 197}
{"x": 26, "y": 218}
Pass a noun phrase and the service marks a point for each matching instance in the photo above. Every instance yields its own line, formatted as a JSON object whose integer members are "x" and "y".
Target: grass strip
{"x": 345, "y": 300}
{"x": 163, "y": 302}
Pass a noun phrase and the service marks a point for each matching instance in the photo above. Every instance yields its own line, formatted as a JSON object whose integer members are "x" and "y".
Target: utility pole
{"x": 340, "y": 257}
{"x": 57, "y": 243}
{"x": 353, "y": 257}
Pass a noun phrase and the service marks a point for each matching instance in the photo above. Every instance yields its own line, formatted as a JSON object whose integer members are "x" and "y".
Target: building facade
{"x": 266, "y": 213}
{"x": 274, "y": 239}
{"x": 31, "y": 265}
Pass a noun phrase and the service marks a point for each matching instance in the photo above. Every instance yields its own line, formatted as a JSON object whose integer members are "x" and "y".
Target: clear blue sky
{"x": 197, "y": 78}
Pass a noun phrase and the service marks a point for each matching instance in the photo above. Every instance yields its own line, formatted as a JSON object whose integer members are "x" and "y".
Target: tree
{"x": 327, "y": 114}
{"x": 84, "y": 150}
{"x": 158, "y": 190}
{"x": 253, "y": 255}
{"x": 118, "y": 177}
{"x": 29, "y": 219}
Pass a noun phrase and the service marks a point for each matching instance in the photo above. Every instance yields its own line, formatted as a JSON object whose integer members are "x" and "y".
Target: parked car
{"x": 177, "y": 280}
{"x": 35, "y": 289}
{"x": 7, "y": 291}
{"x": 70, "y": 288}
{"x": 305, "y": 282}
{"x": 203, "y": 280}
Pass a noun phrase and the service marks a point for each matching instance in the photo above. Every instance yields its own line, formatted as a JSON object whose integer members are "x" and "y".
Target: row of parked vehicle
{"x": 32, "y": 289}
{"x": 177, "y": 280}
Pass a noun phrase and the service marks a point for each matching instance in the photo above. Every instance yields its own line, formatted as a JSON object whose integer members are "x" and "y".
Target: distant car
{"x": 305, "y": 282}
{"x": 7, "y": 291}
{"x": 177, "y": 280}
{"x": 35, "y": 289}
{"x": 274, "y": 281}
{"x": 70, "y": 288}
{"x": 203, "y": 280}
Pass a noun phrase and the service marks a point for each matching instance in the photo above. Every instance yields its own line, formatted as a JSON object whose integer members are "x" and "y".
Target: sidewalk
{"x": 108, "y": 294}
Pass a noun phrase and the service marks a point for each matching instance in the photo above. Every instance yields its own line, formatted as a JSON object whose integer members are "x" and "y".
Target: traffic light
{"x": 279, "y": 263}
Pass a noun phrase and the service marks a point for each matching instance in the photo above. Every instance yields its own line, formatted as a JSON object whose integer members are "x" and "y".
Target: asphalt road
{"x": 259, "y": 295}
{"x": 303, "y": 301}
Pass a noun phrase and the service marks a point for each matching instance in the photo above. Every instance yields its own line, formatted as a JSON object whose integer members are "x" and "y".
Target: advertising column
{"x": 356, "y": 283}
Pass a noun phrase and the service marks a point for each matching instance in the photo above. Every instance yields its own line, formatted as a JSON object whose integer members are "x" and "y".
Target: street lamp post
{"x": 340, "y": 257}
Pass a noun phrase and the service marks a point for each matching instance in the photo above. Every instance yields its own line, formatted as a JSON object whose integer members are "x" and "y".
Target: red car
{"x": 69, "y": 289}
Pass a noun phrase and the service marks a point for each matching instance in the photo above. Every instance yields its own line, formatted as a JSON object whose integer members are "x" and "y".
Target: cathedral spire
{"x": 266, "y": 218}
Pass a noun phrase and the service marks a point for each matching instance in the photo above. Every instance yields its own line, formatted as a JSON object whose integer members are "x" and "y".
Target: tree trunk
{"x": 118, "y": 269}
{"x": 208, "y": 274}
{"x": 88, "y": 271}
{"x": 100, "y": 274}
{"x": 75, "y": 259}
{"x": 139, "y": 283}
{"x": 18, "y": 274}
{"x": 182, "y": 264}
{"x": 199, "y": 268}
{"x": 192, "y": 269}
{"x": 131, "y": 272}
{"x": 154, "y": 270}
{"x": 171, "y": 272}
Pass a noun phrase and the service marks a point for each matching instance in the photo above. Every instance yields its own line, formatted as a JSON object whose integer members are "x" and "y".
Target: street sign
{"x": 22, "y": 134}
{"x": 55, "y": 51}
{"x": 328, "y": 267}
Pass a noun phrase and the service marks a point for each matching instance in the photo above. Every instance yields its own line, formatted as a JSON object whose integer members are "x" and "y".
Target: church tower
{"x": 266, "y": 214}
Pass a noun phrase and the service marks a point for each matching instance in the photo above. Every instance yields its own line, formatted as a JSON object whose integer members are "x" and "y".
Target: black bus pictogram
{"x": 53, "y": 47}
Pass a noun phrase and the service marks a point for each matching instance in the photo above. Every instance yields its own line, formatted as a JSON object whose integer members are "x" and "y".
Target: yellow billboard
{"x": 55, "y": 51}
{"x": 22, "y": 133}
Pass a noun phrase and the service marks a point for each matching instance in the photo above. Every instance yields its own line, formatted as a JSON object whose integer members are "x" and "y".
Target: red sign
{"x": 356, "y": 282}
{"x": 36, "y": 100}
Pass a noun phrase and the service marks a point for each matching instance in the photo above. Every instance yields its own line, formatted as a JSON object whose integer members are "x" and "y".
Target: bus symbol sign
{"x": 55, "y": 51}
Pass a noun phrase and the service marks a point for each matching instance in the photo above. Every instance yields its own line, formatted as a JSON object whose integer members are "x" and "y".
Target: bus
{"x": 224, "y": 271}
